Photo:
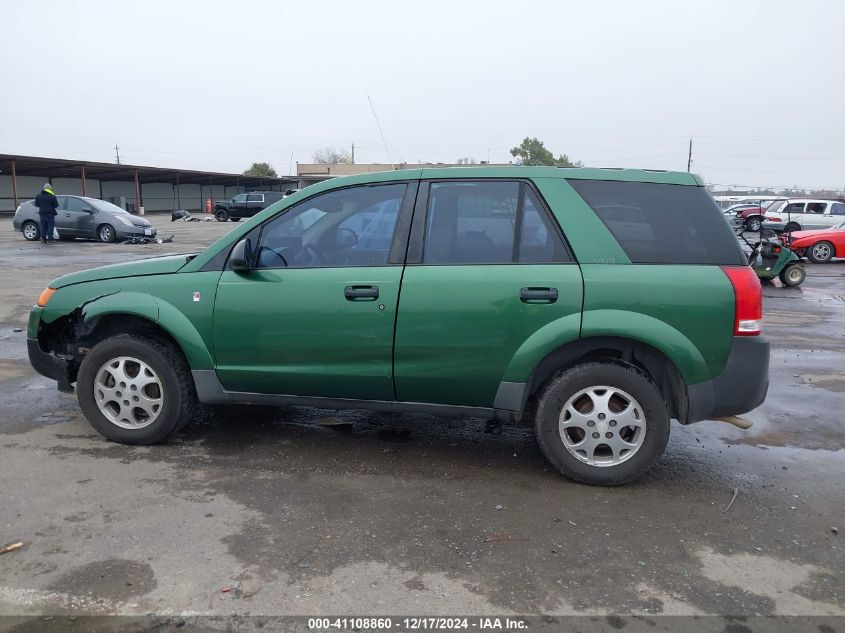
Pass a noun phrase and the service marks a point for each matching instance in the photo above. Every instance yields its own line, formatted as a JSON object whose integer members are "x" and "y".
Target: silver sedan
{"x": 90, "y": 218}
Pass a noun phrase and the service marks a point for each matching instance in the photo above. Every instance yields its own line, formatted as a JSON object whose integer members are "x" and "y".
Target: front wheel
{"x": 135, "y": 390}
{"x": 105, "y": 233}
{"x": 30, "y": 231}
{"x": 753, "y": 224}
{"x": 220, "y": 215}
{"x": 820, "y": 252}
{"x": 602, "y": 423}
{"x": 793, "y": 275}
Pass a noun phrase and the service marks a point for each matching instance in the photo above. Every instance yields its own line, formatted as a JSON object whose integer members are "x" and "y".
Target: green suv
{"x": 594, "y": 304}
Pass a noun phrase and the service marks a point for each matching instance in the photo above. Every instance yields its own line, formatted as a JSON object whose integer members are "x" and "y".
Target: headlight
{"x": 120, "y": 218}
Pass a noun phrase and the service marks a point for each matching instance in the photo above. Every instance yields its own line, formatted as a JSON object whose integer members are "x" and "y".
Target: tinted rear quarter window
{"x": 662, "y": 224}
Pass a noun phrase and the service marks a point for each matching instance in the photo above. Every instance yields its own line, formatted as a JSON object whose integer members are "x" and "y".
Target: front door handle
{"x": 357, "y": 293}
{"x": 538, "y": 295}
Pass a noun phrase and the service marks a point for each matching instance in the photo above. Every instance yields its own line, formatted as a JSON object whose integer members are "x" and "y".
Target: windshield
{"x": 108, "y": 207}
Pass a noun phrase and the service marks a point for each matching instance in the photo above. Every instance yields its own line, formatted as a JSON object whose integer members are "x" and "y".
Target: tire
{"x": 792, "y": 226}
{"x": 30, "y": 231}
{"x": 105, "y": 233}
{"x": 66, "y": 238}
{"x": 221, "y": 215}
{"x": 169, "y": 389}
{"x": 820, "y": 252}
{"x": 753, "y": 223}
{"x": 572, "y": 388}
{"x": 793, "y": 275}
{"x": 235, "y": 219}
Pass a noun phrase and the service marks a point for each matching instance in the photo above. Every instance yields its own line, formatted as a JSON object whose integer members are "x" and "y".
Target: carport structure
{"x": 128, "y": 186}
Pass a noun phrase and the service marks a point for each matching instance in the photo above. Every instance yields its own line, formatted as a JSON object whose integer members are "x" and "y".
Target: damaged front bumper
{"x": 50, "y": 365}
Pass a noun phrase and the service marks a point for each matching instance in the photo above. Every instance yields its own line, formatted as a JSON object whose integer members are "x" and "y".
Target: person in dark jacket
{"x": 47, "y": 204}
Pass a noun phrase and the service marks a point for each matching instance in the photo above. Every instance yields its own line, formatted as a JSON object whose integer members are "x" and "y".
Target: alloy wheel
{"x": 128, "y": 392}
{"x": 821, "y": 251}
{"x": 602, "y": 426}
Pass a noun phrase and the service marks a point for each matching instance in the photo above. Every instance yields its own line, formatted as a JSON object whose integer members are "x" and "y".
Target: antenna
{"x": 689, "y": 156}
{"x": 380, "y": 132}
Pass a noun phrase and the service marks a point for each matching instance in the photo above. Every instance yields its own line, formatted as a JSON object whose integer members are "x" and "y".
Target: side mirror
{"x": 240, "y": 259}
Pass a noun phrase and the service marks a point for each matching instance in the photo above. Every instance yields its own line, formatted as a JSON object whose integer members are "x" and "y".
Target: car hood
{"x": 152, "y": 266}
{"x": 136, "y": 221}
{"x": 797, "y": 235}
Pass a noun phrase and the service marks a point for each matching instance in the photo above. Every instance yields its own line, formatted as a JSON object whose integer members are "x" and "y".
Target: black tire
{"x": 753, "y": 223}
{"x": 106, "y": 233}
{"x": 176, "y": 388}
{"x": 66, "y": 238}
{"x": 792, "y": 226}
{"x": 30, "y": 231}
{"x": 793, "y": 275}
{"x": 820, "y": 252}
{"x": 568, "y": 384}
{"x": 235, "y": 219}
{"x": 221, "y": 215}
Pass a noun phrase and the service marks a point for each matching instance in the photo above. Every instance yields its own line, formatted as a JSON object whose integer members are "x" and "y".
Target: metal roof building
{"x": 128, "y": 186}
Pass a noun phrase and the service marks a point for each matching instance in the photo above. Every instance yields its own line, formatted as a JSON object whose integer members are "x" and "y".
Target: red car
{"x": 818, "y": 246}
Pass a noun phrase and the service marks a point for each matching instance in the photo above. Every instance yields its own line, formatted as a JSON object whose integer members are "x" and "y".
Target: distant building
{"x": 128, "y": 186}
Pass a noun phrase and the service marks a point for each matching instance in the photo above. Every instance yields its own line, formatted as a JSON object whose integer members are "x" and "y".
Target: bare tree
{"x": 466, "y": 160}
{"x": 331, "y": 156}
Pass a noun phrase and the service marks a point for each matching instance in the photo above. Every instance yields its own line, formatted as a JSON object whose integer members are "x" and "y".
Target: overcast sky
{"x": 759, "y": 86}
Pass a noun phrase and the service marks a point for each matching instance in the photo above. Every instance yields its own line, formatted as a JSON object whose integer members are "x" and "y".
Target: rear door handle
{"x": 356, "y": 293}
{"x": 538, "y": 295}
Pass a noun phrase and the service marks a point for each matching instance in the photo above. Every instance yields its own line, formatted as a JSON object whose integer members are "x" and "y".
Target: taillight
{"x": 772, "y": 218}
{"x": 748, "y": 308}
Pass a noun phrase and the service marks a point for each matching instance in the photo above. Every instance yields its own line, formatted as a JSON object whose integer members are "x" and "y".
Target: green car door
{"x": 315, "y": 315}
{"x": 487, "y": 268}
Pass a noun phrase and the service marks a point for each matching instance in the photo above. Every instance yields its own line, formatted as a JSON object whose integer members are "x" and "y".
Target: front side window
{"x": 241, "y": 197}
{"x": 255, "y": 197}
{"x": 490, "y": 222}
{"x": 349, "y": 227}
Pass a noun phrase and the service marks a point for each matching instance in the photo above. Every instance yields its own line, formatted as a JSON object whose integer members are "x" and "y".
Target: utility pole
{"x": 689, "y": 156}
{"x": 353, "y": 152}
{"x": 116, "y": 154}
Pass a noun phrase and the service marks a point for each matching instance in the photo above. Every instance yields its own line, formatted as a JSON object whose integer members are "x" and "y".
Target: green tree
{"x": 532, "y": 152}
{"x": 261, "y": 169}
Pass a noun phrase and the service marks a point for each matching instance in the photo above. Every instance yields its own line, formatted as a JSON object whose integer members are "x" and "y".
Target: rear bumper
{"x": 741, "y": 387}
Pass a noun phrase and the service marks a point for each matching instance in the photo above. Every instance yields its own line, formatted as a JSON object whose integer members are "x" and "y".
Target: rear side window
{"x": 490, "y": 222}
{"x": 662, "y": 224}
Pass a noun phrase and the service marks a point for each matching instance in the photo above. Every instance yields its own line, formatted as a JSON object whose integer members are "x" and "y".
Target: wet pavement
{"x": 414, "y": 514}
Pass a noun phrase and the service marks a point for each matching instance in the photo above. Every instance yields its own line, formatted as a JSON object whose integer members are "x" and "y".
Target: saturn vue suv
{"x": 594, "y": 305}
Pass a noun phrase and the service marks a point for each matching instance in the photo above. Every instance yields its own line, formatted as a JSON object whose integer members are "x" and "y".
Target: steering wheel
{"x": 267, "y": 249}
{"x": 318, "y": 256}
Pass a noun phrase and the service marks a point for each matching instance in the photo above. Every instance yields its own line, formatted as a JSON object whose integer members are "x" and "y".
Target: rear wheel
{"x": 793, "y": 275}
{"x": 135, "y": 390}
{"x": 30, "y": 231}
{"x": 221, "y": 215}
{"x": 105, "y": 233}
{"x": 602, "y": 423}
{"x": 820, "y": 252}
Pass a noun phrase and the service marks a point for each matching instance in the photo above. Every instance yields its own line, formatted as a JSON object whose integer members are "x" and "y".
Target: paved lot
{"x": 447, "y": 519}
